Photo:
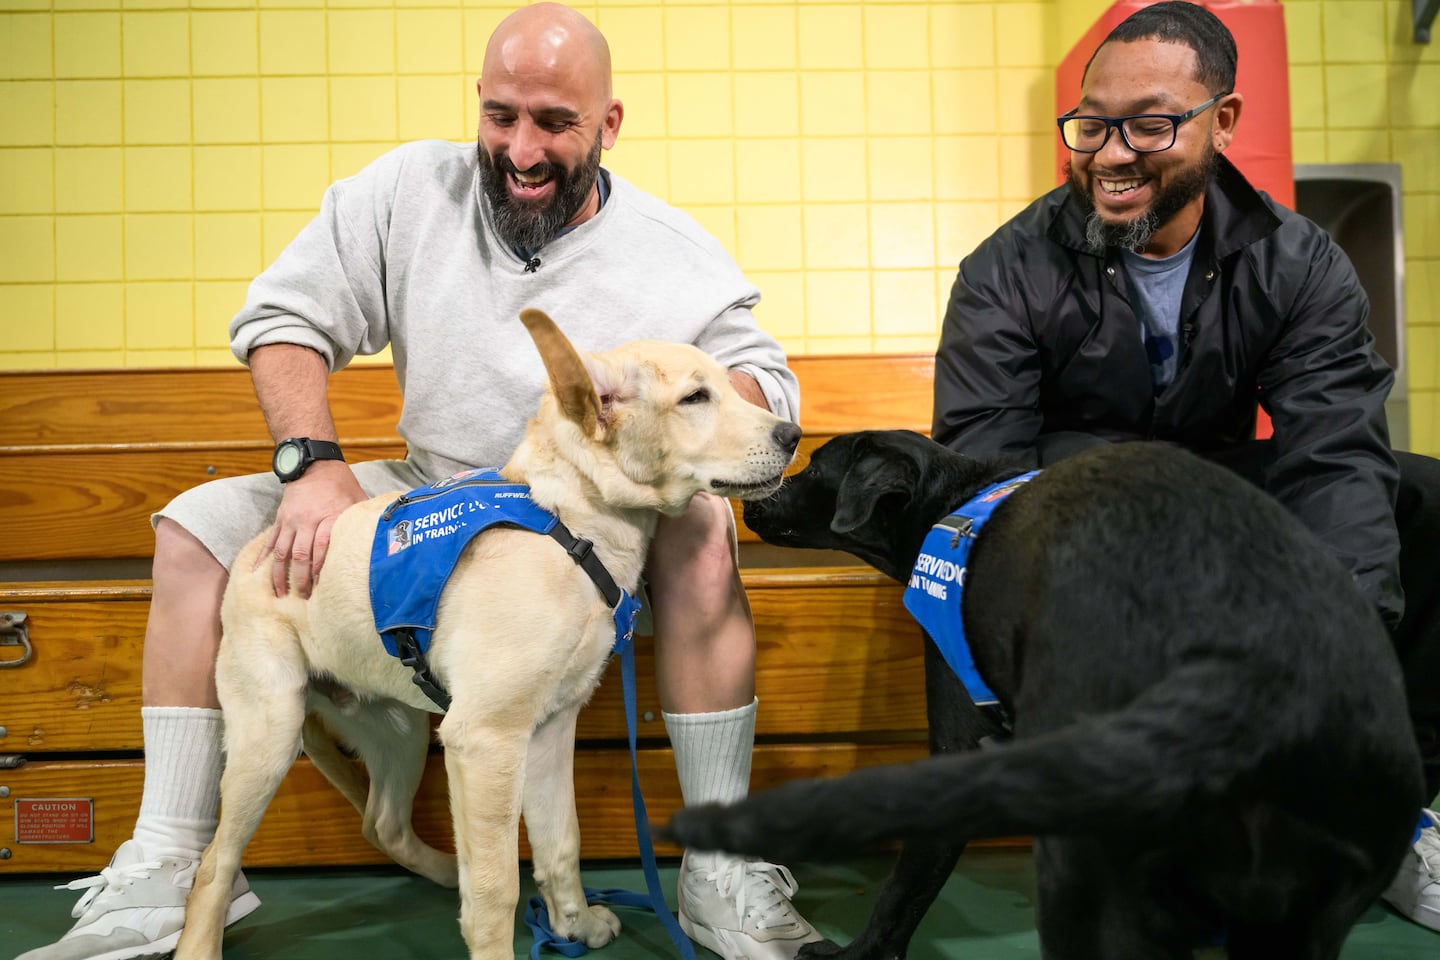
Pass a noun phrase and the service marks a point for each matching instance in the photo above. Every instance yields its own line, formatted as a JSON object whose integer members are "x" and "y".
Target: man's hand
{"x": 747, "y": 387}
{"x": 300, "y": 537}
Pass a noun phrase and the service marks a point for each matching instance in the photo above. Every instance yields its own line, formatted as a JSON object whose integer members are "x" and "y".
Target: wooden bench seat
{"x": 86, "y": 457}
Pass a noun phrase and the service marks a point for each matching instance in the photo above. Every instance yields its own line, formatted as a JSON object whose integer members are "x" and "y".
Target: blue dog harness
{"x": 419, "y": 539}
{"x": 936, "y": 590}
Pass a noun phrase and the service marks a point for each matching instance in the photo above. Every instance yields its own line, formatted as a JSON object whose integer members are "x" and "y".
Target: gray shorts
{"x": 228, "y": 513}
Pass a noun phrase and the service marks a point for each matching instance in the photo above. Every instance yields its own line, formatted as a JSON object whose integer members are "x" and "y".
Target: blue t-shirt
{"x": 1159, "y": 287}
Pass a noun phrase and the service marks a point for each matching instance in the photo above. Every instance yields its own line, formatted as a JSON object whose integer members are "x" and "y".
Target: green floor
{"x": 984, "y": 913}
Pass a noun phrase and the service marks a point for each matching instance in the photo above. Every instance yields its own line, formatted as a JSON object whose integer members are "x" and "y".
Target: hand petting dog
{"x": 520, "y": 640}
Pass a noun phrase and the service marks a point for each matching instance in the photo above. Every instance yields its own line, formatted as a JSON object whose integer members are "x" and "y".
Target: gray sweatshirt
{"x": 404, "y": 253}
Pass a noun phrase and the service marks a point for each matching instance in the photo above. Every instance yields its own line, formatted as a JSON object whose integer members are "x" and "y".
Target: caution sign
{"x": 55, "y": 820}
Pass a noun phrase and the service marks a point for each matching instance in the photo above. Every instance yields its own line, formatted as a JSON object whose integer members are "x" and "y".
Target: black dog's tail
{"x": 1134, "y": 770}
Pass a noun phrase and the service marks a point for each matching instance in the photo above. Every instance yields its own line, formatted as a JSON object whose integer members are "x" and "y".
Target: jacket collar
{"x": 1236, "y": 215}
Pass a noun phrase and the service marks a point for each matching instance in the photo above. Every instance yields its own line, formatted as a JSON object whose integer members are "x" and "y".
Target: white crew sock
{"x": 184, "y": 755}
{"x": 712, "y": 753}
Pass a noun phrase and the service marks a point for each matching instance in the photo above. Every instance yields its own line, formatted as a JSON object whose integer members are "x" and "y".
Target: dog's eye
{"x": 699, "y": 396}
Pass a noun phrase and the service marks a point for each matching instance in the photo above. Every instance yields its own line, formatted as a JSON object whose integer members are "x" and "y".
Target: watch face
{"x": 287, "y": 459}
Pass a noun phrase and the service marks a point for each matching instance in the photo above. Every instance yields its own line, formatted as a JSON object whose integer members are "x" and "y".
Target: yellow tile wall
{"x": 1362, "y": 91}
{"x": 155, "y": 154}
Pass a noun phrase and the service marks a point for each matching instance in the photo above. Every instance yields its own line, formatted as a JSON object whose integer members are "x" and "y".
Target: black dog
{"x": 1210, "y": 734}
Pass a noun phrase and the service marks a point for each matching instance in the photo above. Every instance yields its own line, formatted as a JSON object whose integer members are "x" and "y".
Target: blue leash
{"x": 537, "y": 917}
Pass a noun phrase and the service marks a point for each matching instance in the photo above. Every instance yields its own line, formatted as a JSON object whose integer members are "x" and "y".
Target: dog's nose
{"x": 787, "y": 436}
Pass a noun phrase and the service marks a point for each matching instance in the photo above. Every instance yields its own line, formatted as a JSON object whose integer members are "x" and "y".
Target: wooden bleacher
{"x": 87, "y": 456}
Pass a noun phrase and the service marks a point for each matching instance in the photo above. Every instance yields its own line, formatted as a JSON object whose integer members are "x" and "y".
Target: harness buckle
{"x": 410, "y": 653}
{"x": 411, "y": 656}
{"x": 580, "y": 550}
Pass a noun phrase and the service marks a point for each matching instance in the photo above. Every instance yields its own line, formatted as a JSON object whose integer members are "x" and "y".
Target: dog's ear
{"x": 614, "y": 382}
{"x": 569, "y": 379}
{"x": 870, "y": 479}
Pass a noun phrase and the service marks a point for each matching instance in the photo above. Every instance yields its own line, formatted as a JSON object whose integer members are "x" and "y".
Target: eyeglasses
{"x": 1142, "y": 132}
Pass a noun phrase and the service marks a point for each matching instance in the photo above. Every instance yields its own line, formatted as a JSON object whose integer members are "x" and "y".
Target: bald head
{"x": 546, "y": 112}
{"x": 549, "y": 43}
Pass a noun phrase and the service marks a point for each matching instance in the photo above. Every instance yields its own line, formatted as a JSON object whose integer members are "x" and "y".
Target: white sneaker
{"x": 1416, "y": 890}
{"x": 741, "y": 908}
{"x": 135, "y": 908}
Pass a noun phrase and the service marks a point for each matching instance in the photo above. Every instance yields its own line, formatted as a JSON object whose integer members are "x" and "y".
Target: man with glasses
{"x": 1158, "y": 295}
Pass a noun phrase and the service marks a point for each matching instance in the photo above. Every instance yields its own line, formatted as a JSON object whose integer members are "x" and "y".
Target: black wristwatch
{"x": 294, "y": 455}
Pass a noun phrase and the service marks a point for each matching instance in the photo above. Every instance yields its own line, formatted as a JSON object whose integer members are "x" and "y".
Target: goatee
{"x": 1137, "y": 232}
{"x": 529, "y": 226}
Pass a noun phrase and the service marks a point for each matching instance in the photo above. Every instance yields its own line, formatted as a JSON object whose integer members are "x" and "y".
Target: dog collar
{"x": 935, "y": 593}
{"x": 418, "y": 542}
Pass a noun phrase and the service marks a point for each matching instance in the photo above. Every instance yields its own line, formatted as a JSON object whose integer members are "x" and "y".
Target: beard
{"x": 1137, "y": 232}
{"x": 529, "y": 226}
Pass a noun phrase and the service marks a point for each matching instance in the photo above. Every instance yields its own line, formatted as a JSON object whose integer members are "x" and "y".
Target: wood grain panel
{"x": 880, "y": 391}
{"x": 89, "y": 407}
{"x": 87, "y": 456}
{"x": 96, "y": 502}
{"x": 837, "y": 656}
{"x": 80, "y": 690}
{"x": 173, "y": 406}
{"x": 310, "y": 824}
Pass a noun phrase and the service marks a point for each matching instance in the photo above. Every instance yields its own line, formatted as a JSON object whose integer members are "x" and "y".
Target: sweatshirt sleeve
{"x": 326, "y": 290}
{"x": 718, "y": 299}
{"x": 737, "y": 342}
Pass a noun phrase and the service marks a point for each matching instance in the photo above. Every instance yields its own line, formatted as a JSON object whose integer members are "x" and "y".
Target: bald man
{"x": 433, "y": 250}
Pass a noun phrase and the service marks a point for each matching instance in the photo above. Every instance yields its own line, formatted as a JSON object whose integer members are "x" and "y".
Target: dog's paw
{"x": 595, "y": 926}
{"x": 822, "y": 950}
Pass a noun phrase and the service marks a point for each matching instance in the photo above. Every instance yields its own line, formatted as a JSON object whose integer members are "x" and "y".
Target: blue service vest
{"x": 419, "y": 539}
{"x": 936, "y": 590}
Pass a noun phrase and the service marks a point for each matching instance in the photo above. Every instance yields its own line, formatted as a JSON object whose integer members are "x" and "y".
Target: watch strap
{"x": 322, "y": 449}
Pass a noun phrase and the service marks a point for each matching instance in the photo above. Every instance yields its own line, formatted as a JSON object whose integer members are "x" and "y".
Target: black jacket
{"x": 1039, "y": 337}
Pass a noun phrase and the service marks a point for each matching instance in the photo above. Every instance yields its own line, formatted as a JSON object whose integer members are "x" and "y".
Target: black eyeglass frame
{"x": 1114, "y": 123}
